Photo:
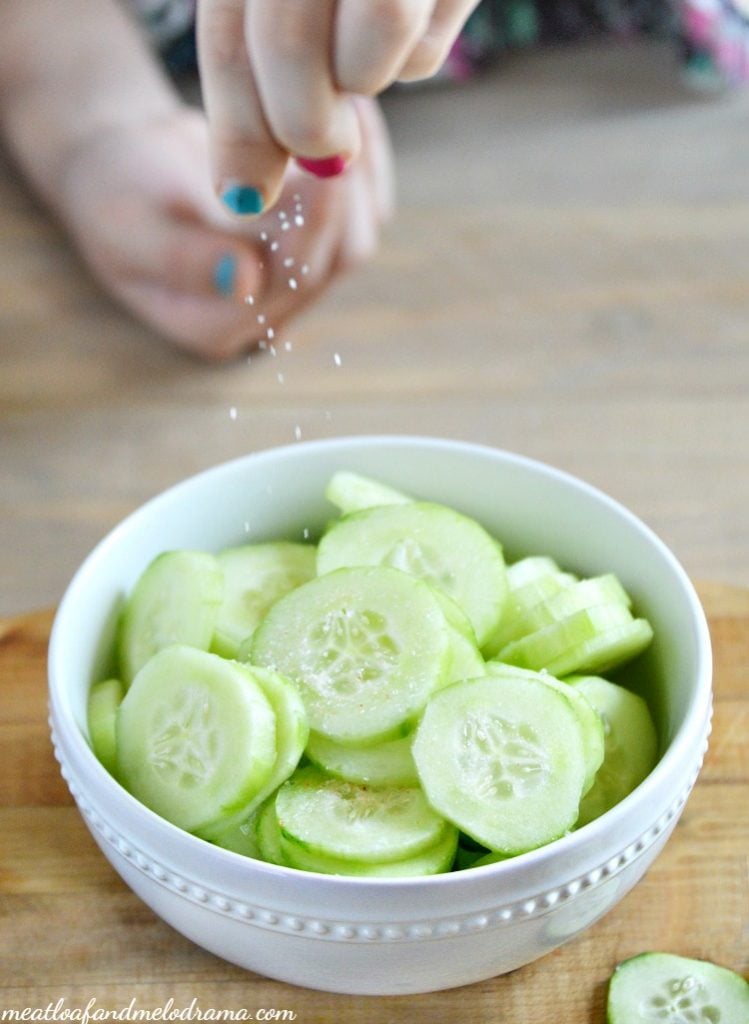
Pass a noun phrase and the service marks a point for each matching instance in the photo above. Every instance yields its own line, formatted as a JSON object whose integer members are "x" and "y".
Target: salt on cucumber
{"x": 662, "y": 987}
{"x": 502, "y": 759}
{"x": 351, "y": 492}
{"x": 196, "y": 737}
{"x": 335, "y": 818}
{"x": 255, "y": 577}
{"x": 104, "y": 699}
{"x": 366, "y": 647}
{"x": 630, "y": 744}
{"x": 174, "y": 601}
{"x": 429, "y": 541}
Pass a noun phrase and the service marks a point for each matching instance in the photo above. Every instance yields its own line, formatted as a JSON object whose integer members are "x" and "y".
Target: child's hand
{"x": 138, "y": 199}
{"x": 278, "y": 78}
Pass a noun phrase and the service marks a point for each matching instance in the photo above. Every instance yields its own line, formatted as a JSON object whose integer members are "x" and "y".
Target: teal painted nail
{"x": 224, "y": 276}
{"x": 243, "y": 199}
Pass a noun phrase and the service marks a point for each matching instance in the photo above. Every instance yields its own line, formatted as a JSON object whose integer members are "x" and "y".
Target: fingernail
{"x": 328, "y": 167}
{"x": 225, "y": 274}
{"x": 242, "y": 199}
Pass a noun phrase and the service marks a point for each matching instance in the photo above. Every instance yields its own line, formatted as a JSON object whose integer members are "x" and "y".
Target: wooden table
{"x": 72, "y": 930}
{"x": 567, "y": 277}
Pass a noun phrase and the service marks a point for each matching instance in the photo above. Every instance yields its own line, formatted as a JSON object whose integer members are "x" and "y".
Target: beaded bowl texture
{"x": 388, "y": 936}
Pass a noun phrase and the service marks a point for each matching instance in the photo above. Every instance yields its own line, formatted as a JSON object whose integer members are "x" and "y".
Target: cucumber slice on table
{"x": 502, "y": 759}
{"x": 175, "y": 601}
{"x": 592, "y": 731}
{"x": 366, "y": 647}
{"x": 351, "y": 492}
{"x": 435, "y": 543}
{"x": 661, "y": 988}
{"x": 593, "y": 639}
{"x": 339, "y": 819}
{"x": 255, "y": 577}
{"x": 104, "y": 699}
{"x": 631, "y": 744}
{"x": 196, "y": 737}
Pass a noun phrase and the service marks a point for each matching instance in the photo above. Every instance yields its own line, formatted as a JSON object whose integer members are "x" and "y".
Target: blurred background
{"x": 567, "y": 277}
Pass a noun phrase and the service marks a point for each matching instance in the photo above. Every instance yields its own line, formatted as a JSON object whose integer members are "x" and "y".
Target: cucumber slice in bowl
{"x": 104, "y": 699}
{"x": 255, "y": 577}
{"x": 594, "y": 639}
{"x": 592, "y": 731}
{"x": 630, "y": 745}
{"x": 175, "y": 601}
{"x": 334, "y": 818}
{"x": 196, "y": 737}
{"x": 662, "y": 988}
{"x": 502, "y": 759}
{"x": 385, "y": 764}
{"x": 351, "y": 492}
{"x": 429, "y": 541}
{"x": 366, "y": 648}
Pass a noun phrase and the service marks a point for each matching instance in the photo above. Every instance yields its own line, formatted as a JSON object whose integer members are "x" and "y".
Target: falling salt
{"x": 246, "y": 526}
{"x": 233, "y": 413}
{"x": 305, "y": 533}
{"x": 292, "y": 284}
{"x": 285, "y": 225}
{"x": 337, "y": 359}
{"x": 305, "y": 268}
{"x": 272, "y": 349}
{"x": 287, "y": 346}
{"x": 250, "y": 300}
{"x": 261, "y": 318}
{"x": 263, "y": 236}
{"x": 289, "y": 261}
{"x": 280, "y": 378}
{"x": 299, "y": 220}
{"x": 281, "y": 215}
{"x": 262, "y": 344}
{"x": 270, "y": 333}
{"x": 274, "y": 246}
{"x": 298, "y": 433}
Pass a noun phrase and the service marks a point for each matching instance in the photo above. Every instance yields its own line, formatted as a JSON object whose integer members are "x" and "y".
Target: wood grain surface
{"x": 71, "y": 930}
{"x": 566, "y": 276}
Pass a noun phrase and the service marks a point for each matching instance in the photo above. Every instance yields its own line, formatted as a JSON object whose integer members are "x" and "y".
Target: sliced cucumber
{"x": 351, "y": 492}
{"x": 429, "y": 541}
{"x": 520, "y": 601}
{"x": 196, "y": 737}
{"x": 631, "y": 744}
{"x": 593, "y": 639}
{"x": 104, "y": 699}
{"x": 175, "y": 601}
{"x": 239, "y": 834}
{"x": 434, "y": 860}
{"x": 569, "y": 598}
{"x": 366, "y": 647}
{"x": 502, "y": 758}
{"x": 592, "y": 729}
{"x": 268, "y": 834}
{"x": 666, "y": 989}
{"x": 292, "y": 733}
{"x": 385, "y": 764}
{"x": 334, "y": 818}
{"x": 527, "y": 570}
{"x": 255, "y": 577}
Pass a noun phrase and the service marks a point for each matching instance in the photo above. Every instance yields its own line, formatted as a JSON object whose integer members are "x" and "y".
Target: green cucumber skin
{"x": 713, "y": 994}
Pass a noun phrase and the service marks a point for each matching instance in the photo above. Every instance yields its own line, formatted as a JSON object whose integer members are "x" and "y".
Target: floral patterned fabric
{"x": 711, "y": 37}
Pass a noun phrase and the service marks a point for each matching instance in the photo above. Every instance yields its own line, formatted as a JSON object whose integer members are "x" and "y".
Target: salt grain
{"x": 233, "y": 413}
{"x": 292, "y": 283}
{"x": 337, "y": 359}
{"x": 298, "y": 433}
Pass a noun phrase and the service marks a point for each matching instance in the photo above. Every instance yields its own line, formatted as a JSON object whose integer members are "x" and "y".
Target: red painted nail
{"x": 328, "y": 167}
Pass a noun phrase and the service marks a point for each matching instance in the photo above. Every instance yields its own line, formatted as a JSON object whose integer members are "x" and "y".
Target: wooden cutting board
{"x": 72, "y": 931}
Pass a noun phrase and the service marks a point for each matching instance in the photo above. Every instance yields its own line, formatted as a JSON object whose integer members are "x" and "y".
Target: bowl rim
{"x": 681, "y": 749}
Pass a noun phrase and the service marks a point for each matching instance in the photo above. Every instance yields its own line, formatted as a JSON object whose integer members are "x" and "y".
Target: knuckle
{"x": 425, "y": 60}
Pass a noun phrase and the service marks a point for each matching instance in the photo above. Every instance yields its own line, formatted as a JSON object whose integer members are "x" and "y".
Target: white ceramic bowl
{"x": 385, "y": 936}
